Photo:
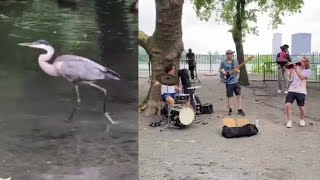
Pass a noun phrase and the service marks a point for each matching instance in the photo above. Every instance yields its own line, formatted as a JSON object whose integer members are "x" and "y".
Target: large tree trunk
{"x": 163, "y": 47}
{"x": 237, "y": 38}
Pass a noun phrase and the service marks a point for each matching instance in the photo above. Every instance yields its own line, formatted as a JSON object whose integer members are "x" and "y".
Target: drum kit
{"x": 179, "y": 115}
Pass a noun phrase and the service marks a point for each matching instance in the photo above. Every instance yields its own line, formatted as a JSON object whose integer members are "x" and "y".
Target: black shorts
{"x": 299, "y": 97}
{"x": 233, "y": 88}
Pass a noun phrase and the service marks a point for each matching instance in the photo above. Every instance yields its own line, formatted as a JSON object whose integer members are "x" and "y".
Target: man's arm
{"x": 291, "y": 75}
{"x": 301, "y": 75}
{"x": 235, "y": 64}
{"x": 221, "y": 67}
{"x": 177, "y": 88}
{"x": 157, "y": 83}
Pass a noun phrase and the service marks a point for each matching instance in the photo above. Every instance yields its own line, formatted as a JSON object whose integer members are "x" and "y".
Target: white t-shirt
{"x": 297, "y": 85}
{"x": 167, "y": 89}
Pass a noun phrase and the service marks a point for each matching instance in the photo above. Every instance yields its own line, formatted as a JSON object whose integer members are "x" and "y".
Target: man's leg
{"x": 229, "y": 91}
{"x": 237, "y": 91}
{"x": 192, "y": 72}
{"x": 300, "y": 103}
{"x": 289, "y": 114}
{"x": 279, "y": 79}
{"x": 289, "y": 100}
{"x": 170, "y": 100}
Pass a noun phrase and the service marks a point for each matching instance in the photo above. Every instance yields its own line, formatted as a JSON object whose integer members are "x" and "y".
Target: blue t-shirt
{"x": 228, "y": 67}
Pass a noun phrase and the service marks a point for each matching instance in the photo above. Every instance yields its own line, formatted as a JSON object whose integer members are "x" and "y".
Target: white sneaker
{"x": 302, "y": 123}
{"x": 279, "y": 91}
{"x": 289, "y": 124}
{"x": 286, "y": 92}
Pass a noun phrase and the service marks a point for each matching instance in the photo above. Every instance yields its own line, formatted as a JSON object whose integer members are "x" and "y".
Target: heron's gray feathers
{"x": 80, "y": 68}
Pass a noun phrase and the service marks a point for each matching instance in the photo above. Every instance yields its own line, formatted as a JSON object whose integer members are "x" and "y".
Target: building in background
{"x": 276, "y": 42}
{"x": 300, "y": 43}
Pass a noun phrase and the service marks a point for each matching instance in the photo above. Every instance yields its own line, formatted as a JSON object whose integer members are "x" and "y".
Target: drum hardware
{"x": 197, "y": 105}
{"x": 169, "y": 122}
{"x": 180, "y": 116}
{"x": 182, "y": 98}
{"x": 196, "y": 102}
{"x": 194, "y": 87}
{"x": 167, "y": 79}
{"x": 198, "y": 109}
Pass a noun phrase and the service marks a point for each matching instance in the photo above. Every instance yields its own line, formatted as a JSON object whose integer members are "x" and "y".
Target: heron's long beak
{"x": 25, "y": 44}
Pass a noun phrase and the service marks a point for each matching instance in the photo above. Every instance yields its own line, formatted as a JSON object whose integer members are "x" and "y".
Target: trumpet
{"x": 290, "y": 66}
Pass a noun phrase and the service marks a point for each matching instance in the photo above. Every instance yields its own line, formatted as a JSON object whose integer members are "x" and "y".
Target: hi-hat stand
{"x": 169, "y": 121}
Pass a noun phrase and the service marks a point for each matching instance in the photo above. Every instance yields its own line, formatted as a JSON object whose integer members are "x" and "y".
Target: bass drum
{"x": 181, "y": 116}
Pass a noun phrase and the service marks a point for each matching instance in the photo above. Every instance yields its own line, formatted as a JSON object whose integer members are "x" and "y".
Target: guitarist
{"x": 233, "y": 85}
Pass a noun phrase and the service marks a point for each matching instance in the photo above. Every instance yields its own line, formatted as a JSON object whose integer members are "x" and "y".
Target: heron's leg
{"x": 78, "y": 103}
{"x": 104, "y": 100}
{"x": 78, "y": 94}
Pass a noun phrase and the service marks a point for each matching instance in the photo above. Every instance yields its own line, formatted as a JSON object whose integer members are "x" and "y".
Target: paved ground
{"x": 200, "y": 152}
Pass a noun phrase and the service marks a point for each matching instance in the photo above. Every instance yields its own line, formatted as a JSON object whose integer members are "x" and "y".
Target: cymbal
{"x": 194, "y": 87}
{"x": 167, "y": 79}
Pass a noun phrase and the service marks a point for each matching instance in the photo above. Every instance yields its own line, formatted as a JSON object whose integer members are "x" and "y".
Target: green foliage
{"x": 142, "y": 55}
{"x": 227, "y": 11}
{"x": 264, "y": 62}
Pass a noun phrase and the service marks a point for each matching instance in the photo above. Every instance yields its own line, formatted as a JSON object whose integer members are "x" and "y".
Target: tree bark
{"x": 163, "y": 47}
{"x": 238, "y": 40}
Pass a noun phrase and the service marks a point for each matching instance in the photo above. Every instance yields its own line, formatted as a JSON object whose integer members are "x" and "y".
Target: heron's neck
{"x": 43, "y": 62}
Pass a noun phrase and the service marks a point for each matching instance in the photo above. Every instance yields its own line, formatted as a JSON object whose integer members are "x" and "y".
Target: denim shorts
{"x": 165, "y": 95}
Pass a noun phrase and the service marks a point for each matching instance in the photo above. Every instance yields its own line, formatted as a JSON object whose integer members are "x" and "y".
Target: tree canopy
{"x": 226, "y": 11}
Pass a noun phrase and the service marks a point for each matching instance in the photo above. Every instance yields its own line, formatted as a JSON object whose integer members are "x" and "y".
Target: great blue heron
{"x": 76, "y": 69}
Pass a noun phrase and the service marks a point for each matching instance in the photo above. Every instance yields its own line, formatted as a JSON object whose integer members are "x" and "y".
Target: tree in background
{"x": 163, "y": 47}
{"x": 241, "y": 15}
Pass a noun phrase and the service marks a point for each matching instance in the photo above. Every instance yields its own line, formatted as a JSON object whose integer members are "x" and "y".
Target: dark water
{"x": 34, "y": 105}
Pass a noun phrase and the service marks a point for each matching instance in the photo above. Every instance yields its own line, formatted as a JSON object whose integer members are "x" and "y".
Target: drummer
{"x": 168, "y": 92}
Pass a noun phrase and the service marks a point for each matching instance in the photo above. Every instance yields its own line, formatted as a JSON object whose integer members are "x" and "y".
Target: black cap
{"x": 286, "y": 45}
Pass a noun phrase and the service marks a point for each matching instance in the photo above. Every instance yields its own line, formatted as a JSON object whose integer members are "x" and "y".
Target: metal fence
{"x": 270, "y": 72}
{"x": 261, "y": 64}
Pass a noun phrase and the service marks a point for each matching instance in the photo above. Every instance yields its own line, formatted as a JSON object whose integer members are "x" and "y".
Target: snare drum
{"x": 181, "y": 115}
{"x": 182, "y": 98}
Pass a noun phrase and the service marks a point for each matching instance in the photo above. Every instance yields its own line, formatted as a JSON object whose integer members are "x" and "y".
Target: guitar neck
{"x": 244, "y": 62}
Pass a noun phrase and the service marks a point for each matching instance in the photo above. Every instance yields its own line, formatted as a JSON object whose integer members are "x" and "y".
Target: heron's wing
{"x": 77, "y": 69}
{"x": 84, "y": 68}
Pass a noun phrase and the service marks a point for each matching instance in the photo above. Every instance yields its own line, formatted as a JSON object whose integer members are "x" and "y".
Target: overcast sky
{"x": 204, "y": 36}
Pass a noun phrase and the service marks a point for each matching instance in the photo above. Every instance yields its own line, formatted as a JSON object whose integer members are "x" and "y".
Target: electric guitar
{"x": 230, "y": 75}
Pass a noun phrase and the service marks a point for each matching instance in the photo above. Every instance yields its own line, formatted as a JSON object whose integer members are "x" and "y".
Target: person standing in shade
{"x": 233, "y": 85}
{"x": 283, "y": 58}
{"x": 298, "y": 77}
{"x": 191, "y": 63}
